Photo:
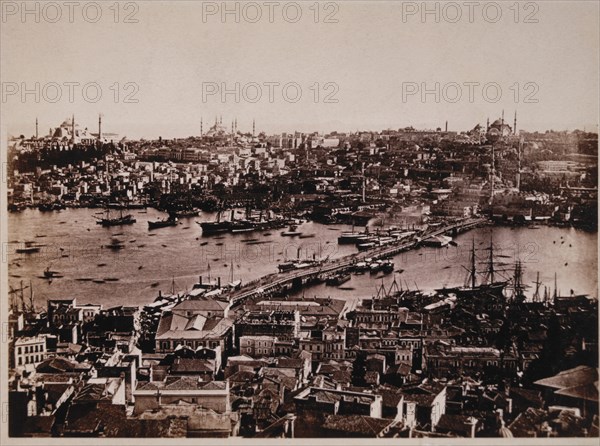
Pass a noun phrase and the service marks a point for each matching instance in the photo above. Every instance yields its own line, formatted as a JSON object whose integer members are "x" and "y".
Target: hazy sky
{"x": 369, "y": 56}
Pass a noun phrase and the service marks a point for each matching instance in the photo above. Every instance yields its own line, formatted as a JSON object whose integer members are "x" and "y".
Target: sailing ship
{"x": 215, "y": 227}
{"x": 122, "y": 219}
{"x": 489, "y": 285}
{"x": 171, "y": 220}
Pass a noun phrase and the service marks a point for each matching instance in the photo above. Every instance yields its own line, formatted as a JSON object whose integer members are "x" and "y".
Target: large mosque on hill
{"x": 497, "y": 129}
{"x": 218, "y": 130}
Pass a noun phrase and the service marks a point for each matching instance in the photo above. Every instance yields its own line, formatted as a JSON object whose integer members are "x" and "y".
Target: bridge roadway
{"x": 276, "y": 281}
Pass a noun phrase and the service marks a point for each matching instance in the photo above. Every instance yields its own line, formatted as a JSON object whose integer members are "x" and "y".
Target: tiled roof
{"x": 56, "y": 364}
{"x": 183, "y": 365}
{"x": 200, "y": 305}
{"x": 93, "y": 392}
{"x": 361, "y": 425}
{"x": 525, "y": 425}
{"x": 577, "y": 376}
{"x": 290, "y": 363}
{"x": 587, "y": 391}
{"x": 174, "y": 326}
{"x": 455, "y": 423}
{"x": 330, "y": 396}
{"x": 183, "y": 383}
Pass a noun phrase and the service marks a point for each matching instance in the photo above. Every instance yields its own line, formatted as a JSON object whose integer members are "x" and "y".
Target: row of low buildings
{"x": 394, "y": 366}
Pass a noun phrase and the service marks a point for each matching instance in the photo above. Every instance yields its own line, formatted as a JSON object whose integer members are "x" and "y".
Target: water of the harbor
{"x": 73, "y": 245}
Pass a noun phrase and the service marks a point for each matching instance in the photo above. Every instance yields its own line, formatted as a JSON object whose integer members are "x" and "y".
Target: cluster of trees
{"x": 54, "y": 156}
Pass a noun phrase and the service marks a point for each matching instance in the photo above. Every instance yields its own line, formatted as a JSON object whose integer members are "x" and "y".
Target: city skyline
{"x": 369, "y": 57}
{"x": 250, "y": 127}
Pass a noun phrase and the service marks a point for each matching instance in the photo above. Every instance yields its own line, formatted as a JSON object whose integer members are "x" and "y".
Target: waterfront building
{"x": 29, "y": 351}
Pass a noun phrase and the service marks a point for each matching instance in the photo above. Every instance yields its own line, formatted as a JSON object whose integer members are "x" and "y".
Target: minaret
{"x": 446, "y": 126}
{"x": 100, "y": 126}
{"x": 253, "y": 128}
{"x": 221, "y": 120}
{"x": 36, "y": 128}
{"x": 216, "y": 120}
{"x": 502, "y": 126}
{"x": 487, "y": 129}
{"x": 515, "y": 124}
{"x": 201, "y": 132}
{"x": 232, "y": 127}
{"x": 519, "y": 164}
{"x": 73, "y": 128}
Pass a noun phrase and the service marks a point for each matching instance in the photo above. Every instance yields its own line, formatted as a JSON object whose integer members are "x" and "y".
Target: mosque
{"x": 497, "y": 129}
{"x": 218, "y": 130}
{"x": 500, "y": 129}
{"x": 69, "y": 131}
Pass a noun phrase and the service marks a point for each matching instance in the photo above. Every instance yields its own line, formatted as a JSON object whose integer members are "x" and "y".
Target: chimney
{"x": 472, "y": 421}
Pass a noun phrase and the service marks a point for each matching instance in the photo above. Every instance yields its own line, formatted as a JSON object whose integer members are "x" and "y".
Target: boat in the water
{"x": 375, "y": 266}
{"x": 171, "y": 220}
{"x": 489, "y": 286}
{"x": 367, "y": 245}
{"x": 115, "y": 245}
{"x": 338, "y": 279}
{"x": 122, "y": 219}
{"x": 215, "y": 227}
{"x": 241, "y": 226}
{"x": 352, "y": 237}
{"x": 286, "y": 266}
{"x": 291, "y": 232}
{"x": 48, "y": 206}
{"x": 188, "y": 212}
{"x": 49, "y": 274}
{"x": 387, "y": 267}
{"x": 28, "y": 250}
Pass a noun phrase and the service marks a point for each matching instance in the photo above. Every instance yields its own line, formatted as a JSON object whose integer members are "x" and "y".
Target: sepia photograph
{"x": 299, "y": 222}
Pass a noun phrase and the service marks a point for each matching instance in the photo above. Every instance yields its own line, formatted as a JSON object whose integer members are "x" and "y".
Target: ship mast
{"x": 518, "y": 287}
{"x": 31, "y": 306}
{"x": 491, "y": 264}
{"x": 473, "y": 271}
{"x": 536, "y": 295}
{"x": 492, "y": 180}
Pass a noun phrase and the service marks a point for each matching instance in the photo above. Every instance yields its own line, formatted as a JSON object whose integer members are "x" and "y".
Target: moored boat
{"x": 338, "y": 279}
{"x": 170, "y": 221}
